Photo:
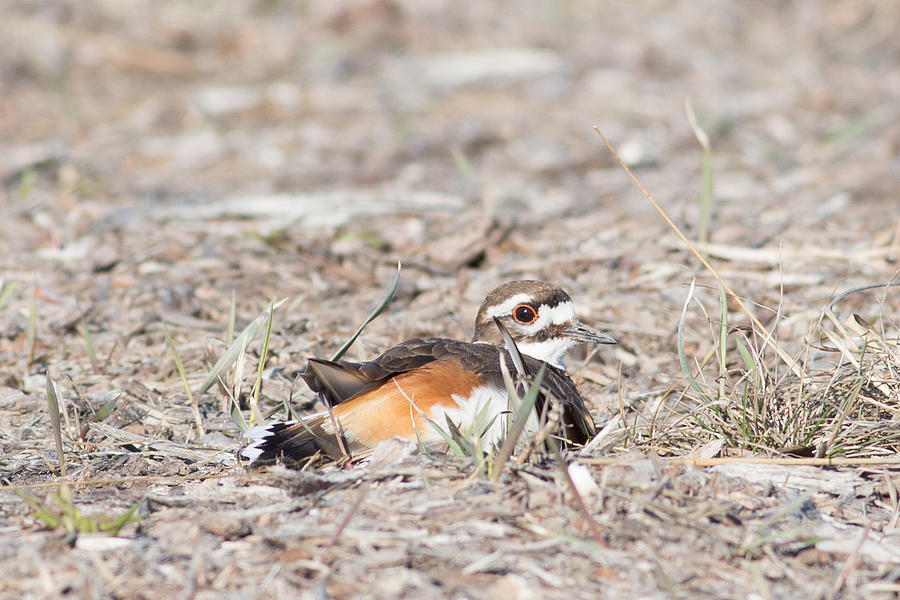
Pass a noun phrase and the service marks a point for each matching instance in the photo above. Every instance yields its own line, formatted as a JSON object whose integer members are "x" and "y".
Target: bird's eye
{"x": 524, "y": 314}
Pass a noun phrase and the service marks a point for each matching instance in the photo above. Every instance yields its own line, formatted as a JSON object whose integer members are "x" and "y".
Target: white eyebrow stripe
{"x": 503, "y": 310}
{"x": 562, "y": 313}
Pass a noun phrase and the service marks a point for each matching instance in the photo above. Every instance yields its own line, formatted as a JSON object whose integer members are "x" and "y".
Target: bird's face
{"x": 540, "y": 318}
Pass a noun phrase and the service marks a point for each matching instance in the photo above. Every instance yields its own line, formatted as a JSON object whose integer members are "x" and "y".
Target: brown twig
{"x": 338, "y": 431}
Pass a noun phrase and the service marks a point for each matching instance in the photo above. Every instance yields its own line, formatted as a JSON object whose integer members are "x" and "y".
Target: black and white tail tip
{"x": 258, "y": 440}
{"x": 290, "y": 441}
{"x": 266, "y": 441}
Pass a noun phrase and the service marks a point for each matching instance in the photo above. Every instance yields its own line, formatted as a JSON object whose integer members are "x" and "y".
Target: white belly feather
{"x": 485, "y": 405}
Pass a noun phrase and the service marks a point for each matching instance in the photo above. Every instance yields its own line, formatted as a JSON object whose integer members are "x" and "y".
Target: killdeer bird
{"x": 424, "y": 382}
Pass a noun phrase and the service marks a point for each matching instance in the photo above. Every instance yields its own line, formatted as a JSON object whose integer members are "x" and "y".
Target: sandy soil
{"x": 161, "y": 158}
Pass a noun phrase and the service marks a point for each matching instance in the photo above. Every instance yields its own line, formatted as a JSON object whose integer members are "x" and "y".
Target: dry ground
{"x": 158, "y": 157}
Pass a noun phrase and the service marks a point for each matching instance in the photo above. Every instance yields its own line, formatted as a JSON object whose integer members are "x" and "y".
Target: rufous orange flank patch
{"x": 396, "y": 407}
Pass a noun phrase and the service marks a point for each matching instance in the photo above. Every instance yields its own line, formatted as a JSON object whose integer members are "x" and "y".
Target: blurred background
{"x": 160, "y": 160}
{"x": 156, "y": 156}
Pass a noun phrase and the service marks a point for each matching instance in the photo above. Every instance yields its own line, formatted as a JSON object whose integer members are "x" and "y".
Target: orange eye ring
{"x": 524, "y": 314}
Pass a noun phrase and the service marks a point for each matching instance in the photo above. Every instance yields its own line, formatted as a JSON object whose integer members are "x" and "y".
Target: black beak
{"x": 583, "y": 333}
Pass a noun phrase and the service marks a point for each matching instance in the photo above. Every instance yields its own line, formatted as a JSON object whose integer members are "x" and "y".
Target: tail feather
{"x": 291, "y": 440}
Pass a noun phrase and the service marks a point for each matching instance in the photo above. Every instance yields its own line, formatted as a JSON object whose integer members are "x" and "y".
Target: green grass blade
{"x": 231, "y": 353}
{"x": 105, "y": 410}
{"x": 858, "y": 126}
{"x": 460, "y": 442}
{"x": 38, "y": 510}
{"x": 448, "y": 437}
{"x": 286, "y": 402}
{"x": 7, "y": 291}
{"x": 455, "y": 448}
{"x": 236, "y": 415}
{"x": 462, "y": 164}
{"x": 385, "y": 300}
{"x": 126, "y": 517}
{"x": 257, "y": 386}
{"x": 31, "y": 328}
{"x": 749, "y": 364}
{"x": 523, "y": 412}
{"x": 89, "y": 345}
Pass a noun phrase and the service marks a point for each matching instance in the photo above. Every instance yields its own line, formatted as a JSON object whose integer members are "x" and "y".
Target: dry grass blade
{"x": 837, "y": 461}
{"x": 855, "y": 290}
{"x": 234, "y": 410}
{"x": 233, "y": 392}
{"x": 385, "y": 300}
{"x": 848, "y": 404}
{"x": 287, "y": 403}
{"x": 195, "y": 409}
{"x": 335, "y": 425}
{"x": 682, "y": 355}
{"x": 784, "y": 356}
{"x": 723, "y": 344}
{"x": 55, "y": 426}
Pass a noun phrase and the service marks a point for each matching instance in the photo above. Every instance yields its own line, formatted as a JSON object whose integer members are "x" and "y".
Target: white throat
{"x": 551, "y": 350}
